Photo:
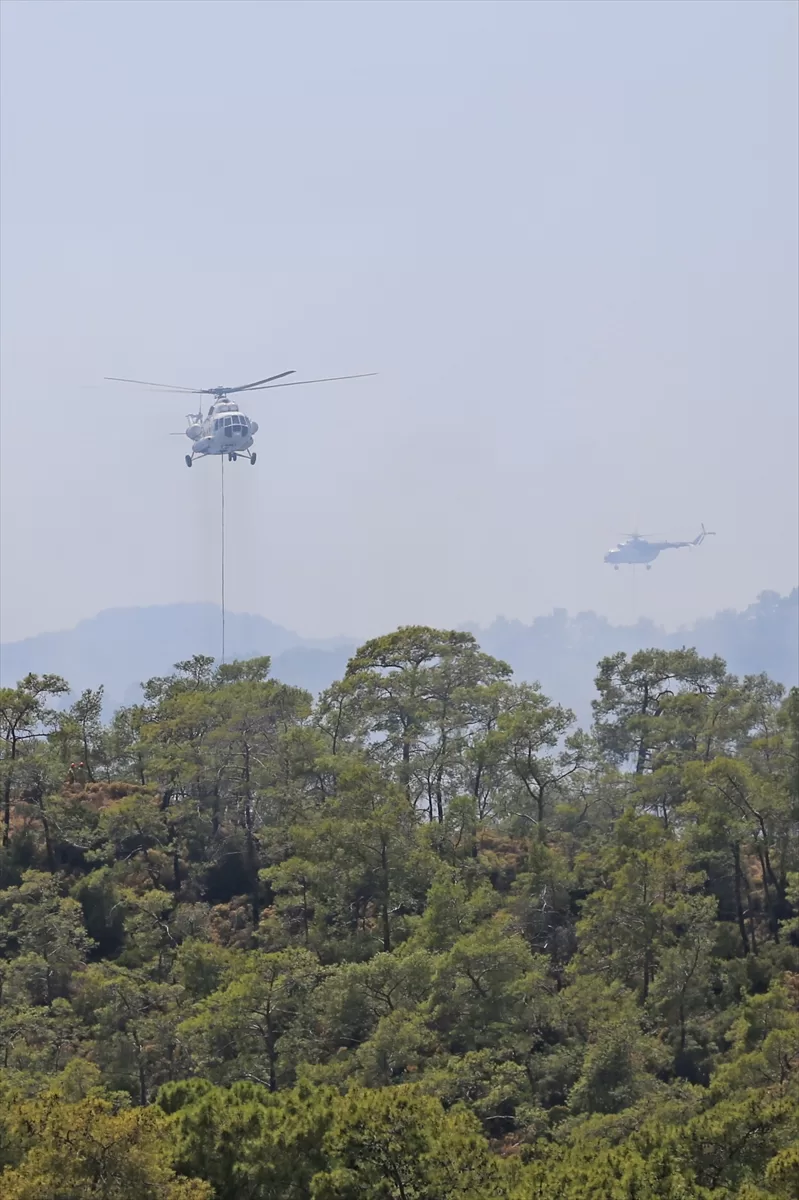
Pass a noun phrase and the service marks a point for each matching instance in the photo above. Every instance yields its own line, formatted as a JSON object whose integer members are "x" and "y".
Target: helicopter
{"x": 225, "y": 429}
{"x": 637, "y": 550}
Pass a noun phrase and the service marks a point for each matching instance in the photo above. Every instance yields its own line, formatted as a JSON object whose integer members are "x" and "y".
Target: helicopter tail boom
{"x": 701, "y": 536}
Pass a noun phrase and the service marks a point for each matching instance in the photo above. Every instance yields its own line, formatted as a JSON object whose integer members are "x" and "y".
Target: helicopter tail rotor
{"x": 701, "y": 537}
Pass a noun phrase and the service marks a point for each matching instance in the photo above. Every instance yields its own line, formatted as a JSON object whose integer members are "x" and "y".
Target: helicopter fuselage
{"x": 639, "y": 550}
{"x": 635, "y": 552}
{"x": 225, "y": 430}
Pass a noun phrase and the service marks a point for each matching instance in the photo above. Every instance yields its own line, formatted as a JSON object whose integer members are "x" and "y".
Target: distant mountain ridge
{"x": 122, "y": 647}
{"x": 561, "y": 652}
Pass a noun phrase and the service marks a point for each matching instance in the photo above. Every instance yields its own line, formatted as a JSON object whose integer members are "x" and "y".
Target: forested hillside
{"x": 420, "y": 939}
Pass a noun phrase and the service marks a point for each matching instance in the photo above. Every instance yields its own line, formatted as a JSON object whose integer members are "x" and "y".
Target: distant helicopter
{"x": 225, "y": 429}
{"x": 637, "y": 550}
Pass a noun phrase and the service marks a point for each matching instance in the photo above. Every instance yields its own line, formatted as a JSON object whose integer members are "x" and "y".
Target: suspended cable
{"x": 222, "y": 459}
{"x": 634, "y": 587}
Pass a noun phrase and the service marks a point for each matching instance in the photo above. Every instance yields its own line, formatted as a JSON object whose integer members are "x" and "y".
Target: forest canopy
{"x": 420, "y": 938}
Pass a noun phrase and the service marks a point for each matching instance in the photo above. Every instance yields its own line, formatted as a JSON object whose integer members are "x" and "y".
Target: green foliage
{"x": 397, "y": 1144}
{"x": 92, "y": 1148}
{"x": 247, "y": 1143}
{"x": 422, "y": 939}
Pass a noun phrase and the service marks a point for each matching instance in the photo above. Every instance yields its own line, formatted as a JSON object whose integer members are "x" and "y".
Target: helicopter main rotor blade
{"x": 169, "y": 387}
{"x": 245, "y": 387}
{"x": 302, "y": 382}
{"x": 220, "y": 391}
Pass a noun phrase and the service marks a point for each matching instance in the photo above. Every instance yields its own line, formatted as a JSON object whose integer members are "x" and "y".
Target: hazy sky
{"x": 565, "y": 234}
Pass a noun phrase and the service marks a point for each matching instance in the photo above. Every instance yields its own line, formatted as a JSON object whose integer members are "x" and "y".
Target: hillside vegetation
{"x": 420, "y": 939}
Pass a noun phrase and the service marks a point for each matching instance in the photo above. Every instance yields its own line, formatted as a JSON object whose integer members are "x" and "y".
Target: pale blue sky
{"x": 564, "y": 233}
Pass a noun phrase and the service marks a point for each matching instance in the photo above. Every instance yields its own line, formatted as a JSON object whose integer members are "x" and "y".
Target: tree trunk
{"x": 768, "y": 870}
{"x": 386, "y": 924}
{"x": 11, "y": 739}
{"x": 640, "y": 761}
{"x": 215, "y": 811}
{"x": 175, "y": 860}
{"x": 682, "y": 1026}
{"x": 539, "y": 801}
{"x": 272, "y": 1054}
{"x": 739, "y": 908}
{"x": 750, "y": 908}
{"x": 48, "y": 841}
{"x": 86, "y": 757}
{"x": 252, "y": 855}
{"x": 252, "y": 869}
{"x": 6, "y": 810}
{"x": 406, "y": 763}
{"x": 771, "y": 907}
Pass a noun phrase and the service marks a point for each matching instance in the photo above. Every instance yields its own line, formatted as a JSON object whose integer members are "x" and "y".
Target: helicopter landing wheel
{"x": 648, "y": 567}
{"x": 188, "y": 460}
{"x": 252, "y": 459}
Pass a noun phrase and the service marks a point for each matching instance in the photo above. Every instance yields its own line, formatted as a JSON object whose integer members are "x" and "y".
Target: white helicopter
{"x": 637, "y": 550}
{"x": 225, "y": 429}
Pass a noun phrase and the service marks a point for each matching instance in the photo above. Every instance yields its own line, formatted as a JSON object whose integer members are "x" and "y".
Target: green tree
{"x": 681, "y": 993}
{"x": 246, "y": 1142}
{"x": 526, "y": 731}
{"x": 635, "y": 914}
{"x": 634, "y": 698}
{"x": 24, "y": 718}
{"x": 399, "y": 1144}
{"x": 414, "y": 695}
{"x": 45, "y": 927}
{"x": 81, "y": 734}
{"x": 92, "y": 1149}
{"x": 745, "y": 814}
{"x": 254, "y": 1025}
{"x": 257, "y": 715}
{"x": 132, "y": 1021}
{"x": 371, "y": 868}
{"x": 489, "y": 989}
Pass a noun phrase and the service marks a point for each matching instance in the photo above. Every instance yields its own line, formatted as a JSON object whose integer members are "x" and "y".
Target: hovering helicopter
{"x": 225, "y": 429}
{"x": 637, "y": 550}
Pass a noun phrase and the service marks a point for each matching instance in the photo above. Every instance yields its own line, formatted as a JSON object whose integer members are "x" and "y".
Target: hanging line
{"x": 223, "y": 558}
